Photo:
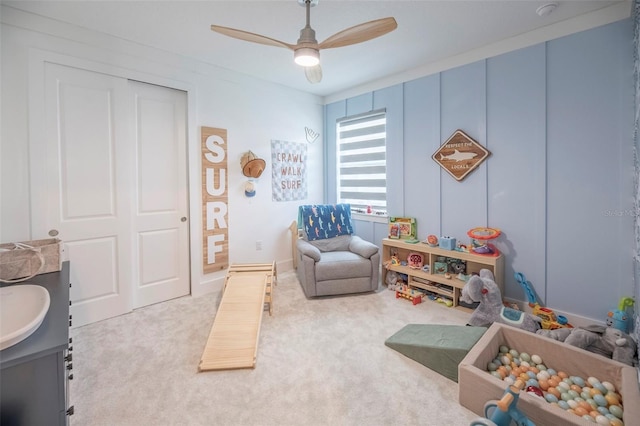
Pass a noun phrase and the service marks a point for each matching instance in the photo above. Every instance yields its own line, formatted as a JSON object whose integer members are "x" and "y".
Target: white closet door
{"x": 88, "y": 187}
{"x": 161, "y": 200}
{"x": 115, "y": 189}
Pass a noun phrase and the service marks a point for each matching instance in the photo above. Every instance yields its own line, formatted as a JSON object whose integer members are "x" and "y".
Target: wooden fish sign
{"x": 460, "y": 155}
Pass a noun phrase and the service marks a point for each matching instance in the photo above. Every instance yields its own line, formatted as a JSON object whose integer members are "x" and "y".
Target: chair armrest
{"x": 361, "y": 247}
{"x": 304, "y": 247}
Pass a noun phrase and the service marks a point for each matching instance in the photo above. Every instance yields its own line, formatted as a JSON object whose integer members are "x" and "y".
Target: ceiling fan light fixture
{"x": 306, "y": 57}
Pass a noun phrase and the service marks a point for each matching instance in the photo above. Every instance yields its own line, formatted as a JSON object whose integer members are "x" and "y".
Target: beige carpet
{"x": 320, "y": 362}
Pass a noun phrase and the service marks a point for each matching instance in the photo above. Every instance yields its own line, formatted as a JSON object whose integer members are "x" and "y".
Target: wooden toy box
{"x": 476, "y": 386}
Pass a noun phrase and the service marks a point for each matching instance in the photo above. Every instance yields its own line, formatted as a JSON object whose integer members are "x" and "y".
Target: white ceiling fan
{"x": 306, "y": 52}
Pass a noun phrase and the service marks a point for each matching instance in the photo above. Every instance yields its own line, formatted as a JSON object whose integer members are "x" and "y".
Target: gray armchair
{"x": 339, "y": 264}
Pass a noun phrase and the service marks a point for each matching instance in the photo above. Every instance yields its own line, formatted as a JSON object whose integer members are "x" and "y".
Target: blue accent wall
{"x": 558, "y": 118}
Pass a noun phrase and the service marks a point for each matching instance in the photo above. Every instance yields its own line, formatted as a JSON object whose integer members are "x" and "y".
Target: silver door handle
{"x": 53, "y": 232}
{"x": 183, "y": 219}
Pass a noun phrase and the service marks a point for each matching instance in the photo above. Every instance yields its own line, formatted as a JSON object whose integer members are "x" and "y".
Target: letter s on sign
{"x": 217, "y": 152}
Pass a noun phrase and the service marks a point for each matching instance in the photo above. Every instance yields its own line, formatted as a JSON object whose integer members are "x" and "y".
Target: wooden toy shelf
{"x": 449, "y": 288}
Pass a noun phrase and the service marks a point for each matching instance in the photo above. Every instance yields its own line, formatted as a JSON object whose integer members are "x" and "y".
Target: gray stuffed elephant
{"x": 483, "y": 288}
{"x": 606, "y": 341}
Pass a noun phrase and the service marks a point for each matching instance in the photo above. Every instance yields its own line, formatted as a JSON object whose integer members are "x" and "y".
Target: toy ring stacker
{"x": 482, "y": 233}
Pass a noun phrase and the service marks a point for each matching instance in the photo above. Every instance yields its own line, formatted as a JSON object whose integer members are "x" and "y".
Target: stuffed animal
{"x": 483, "y": 288}
{"x": 606, "y": 341}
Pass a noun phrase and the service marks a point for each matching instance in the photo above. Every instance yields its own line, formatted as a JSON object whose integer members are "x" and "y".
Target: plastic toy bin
{"x": 476, "y": 386}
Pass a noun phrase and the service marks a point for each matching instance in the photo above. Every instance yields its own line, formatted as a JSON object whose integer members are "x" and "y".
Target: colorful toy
{"x": 549, "y": 320}
{"x": 479, "y": 237}
{"x": 483, "y": 288}
{"x": 504, "y": 412}
{"x": 447, "y": 243}
{"x": 432, "y": 241}
{"x": 619, "y": 318}
{"x": 410, "y": 294}
{"x": 415, "y": 260}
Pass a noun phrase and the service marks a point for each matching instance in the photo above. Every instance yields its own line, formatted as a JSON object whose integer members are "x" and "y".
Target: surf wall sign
{"x": 460, "y": 155}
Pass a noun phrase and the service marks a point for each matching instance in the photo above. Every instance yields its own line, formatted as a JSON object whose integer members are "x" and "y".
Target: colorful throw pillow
{"x": 322, "y": 221}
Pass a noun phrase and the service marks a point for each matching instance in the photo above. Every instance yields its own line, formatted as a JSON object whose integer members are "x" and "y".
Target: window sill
{"x": 370, "y": 217}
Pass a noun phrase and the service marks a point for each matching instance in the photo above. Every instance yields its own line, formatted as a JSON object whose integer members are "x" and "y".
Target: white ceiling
{"x": 428, "y": 31}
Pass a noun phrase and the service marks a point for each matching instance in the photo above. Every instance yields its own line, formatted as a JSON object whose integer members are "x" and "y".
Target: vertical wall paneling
{"x": 391, "y": 98}
{"x": 421, "y": 140}
{"x": 360, "y": 104}
{"x": 589, "y": 154}
{"x": 333, "y": 112}
{"x": 516, "y": 136}
{"x": 463, "y": 106}
{"x": 558, "y": 119}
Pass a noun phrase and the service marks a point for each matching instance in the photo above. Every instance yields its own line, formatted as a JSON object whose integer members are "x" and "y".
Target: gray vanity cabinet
{"x": 35, "y": 372}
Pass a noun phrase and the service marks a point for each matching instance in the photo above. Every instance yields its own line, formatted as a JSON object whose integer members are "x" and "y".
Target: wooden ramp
{"x": 233, "y": 340}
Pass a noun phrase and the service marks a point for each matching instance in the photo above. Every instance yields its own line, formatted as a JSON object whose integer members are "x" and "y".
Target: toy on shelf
{"x": 619, "y": 318}
{"x": 479, "y": 237}
{"x": 415, "y": 260}
{"x": 550, "y": 321}
{"x": 432, "y": 241}
{"x": 504, "y": 412}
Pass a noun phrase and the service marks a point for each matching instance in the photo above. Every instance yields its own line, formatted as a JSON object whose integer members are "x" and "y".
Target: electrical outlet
{"x": 258, "y": 245}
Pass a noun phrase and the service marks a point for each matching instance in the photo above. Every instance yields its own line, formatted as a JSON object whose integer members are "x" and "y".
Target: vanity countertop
{"x": 53, "y": 334}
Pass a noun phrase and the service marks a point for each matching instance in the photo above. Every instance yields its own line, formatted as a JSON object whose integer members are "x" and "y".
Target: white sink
{"x": 22, "y": 309}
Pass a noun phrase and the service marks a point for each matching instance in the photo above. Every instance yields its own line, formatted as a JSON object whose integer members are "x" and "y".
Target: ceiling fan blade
{"x": 247, "y": 36}
{"x": 359, "y": 33}
{"x": 314, "y": 73}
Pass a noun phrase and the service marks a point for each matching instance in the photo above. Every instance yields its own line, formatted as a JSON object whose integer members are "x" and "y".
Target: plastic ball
{"x": 492, "y": 366}
{"x": 592, "y": 380}
{"x": 594, "y": 391}
{"x": 543, "y": 375}
{"x": 616, "y": 410}
{"x": 555, "y": 392}
{"x": 543, "y": 384}
{"x": 576, "y": 388}
{"x": 568, "y": 381}
{"x": 551, "y": 371}
{"x": 602, "y": 410}
{"x": 524, "y": 364}
{"x": 573, "y": 394}
{"x": 563, "y": 404}
{"x": 565, "y": 387}
{"x": 541, "y": 367}
{"x": 601, "y": 388}
{"x": 536, "y": 359}
{"x": 514, "y": 353}
{"x": 588, "y": 418}
{"x": 505, "y": 360}
{"x": 509, "y": 380}
{"x": 572, "y": 404}
{"x": 553, "y": 382}
{"x": 551, "y": 397}
{"x": 615, "y": 422}
{"x": 504, "y": 349}
{"x": 525, "y": 357}
{"x": 579, "y": 411}
{"x": 565, "y": 396}
{"x": 599, "y": 399}
{"x": 563, "y": 375}
{"x": 578, "y": 380}
{"x": 609, "y": 386}
{"x": 496, "y": 374}
{"x": 531, "y": 374}
{"x": 602, "y": 420}
{"x": 612, "y": 399}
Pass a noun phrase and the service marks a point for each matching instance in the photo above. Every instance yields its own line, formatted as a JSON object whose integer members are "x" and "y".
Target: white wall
{"x": 253, "y": 111}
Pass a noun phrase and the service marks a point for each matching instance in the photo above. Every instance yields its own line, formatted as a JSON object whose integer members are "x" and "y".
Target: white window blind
{"x": 362, "y": 161}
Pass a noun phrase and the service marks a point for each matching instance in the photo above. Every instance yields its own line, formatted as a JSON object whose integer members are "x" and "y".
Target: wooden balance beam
{"x": 233, "y": 340}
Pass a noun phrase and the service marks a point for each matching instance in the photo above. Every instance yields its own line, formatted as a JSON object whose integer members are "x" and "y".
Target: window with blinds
{"x": 362, "y": 161}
